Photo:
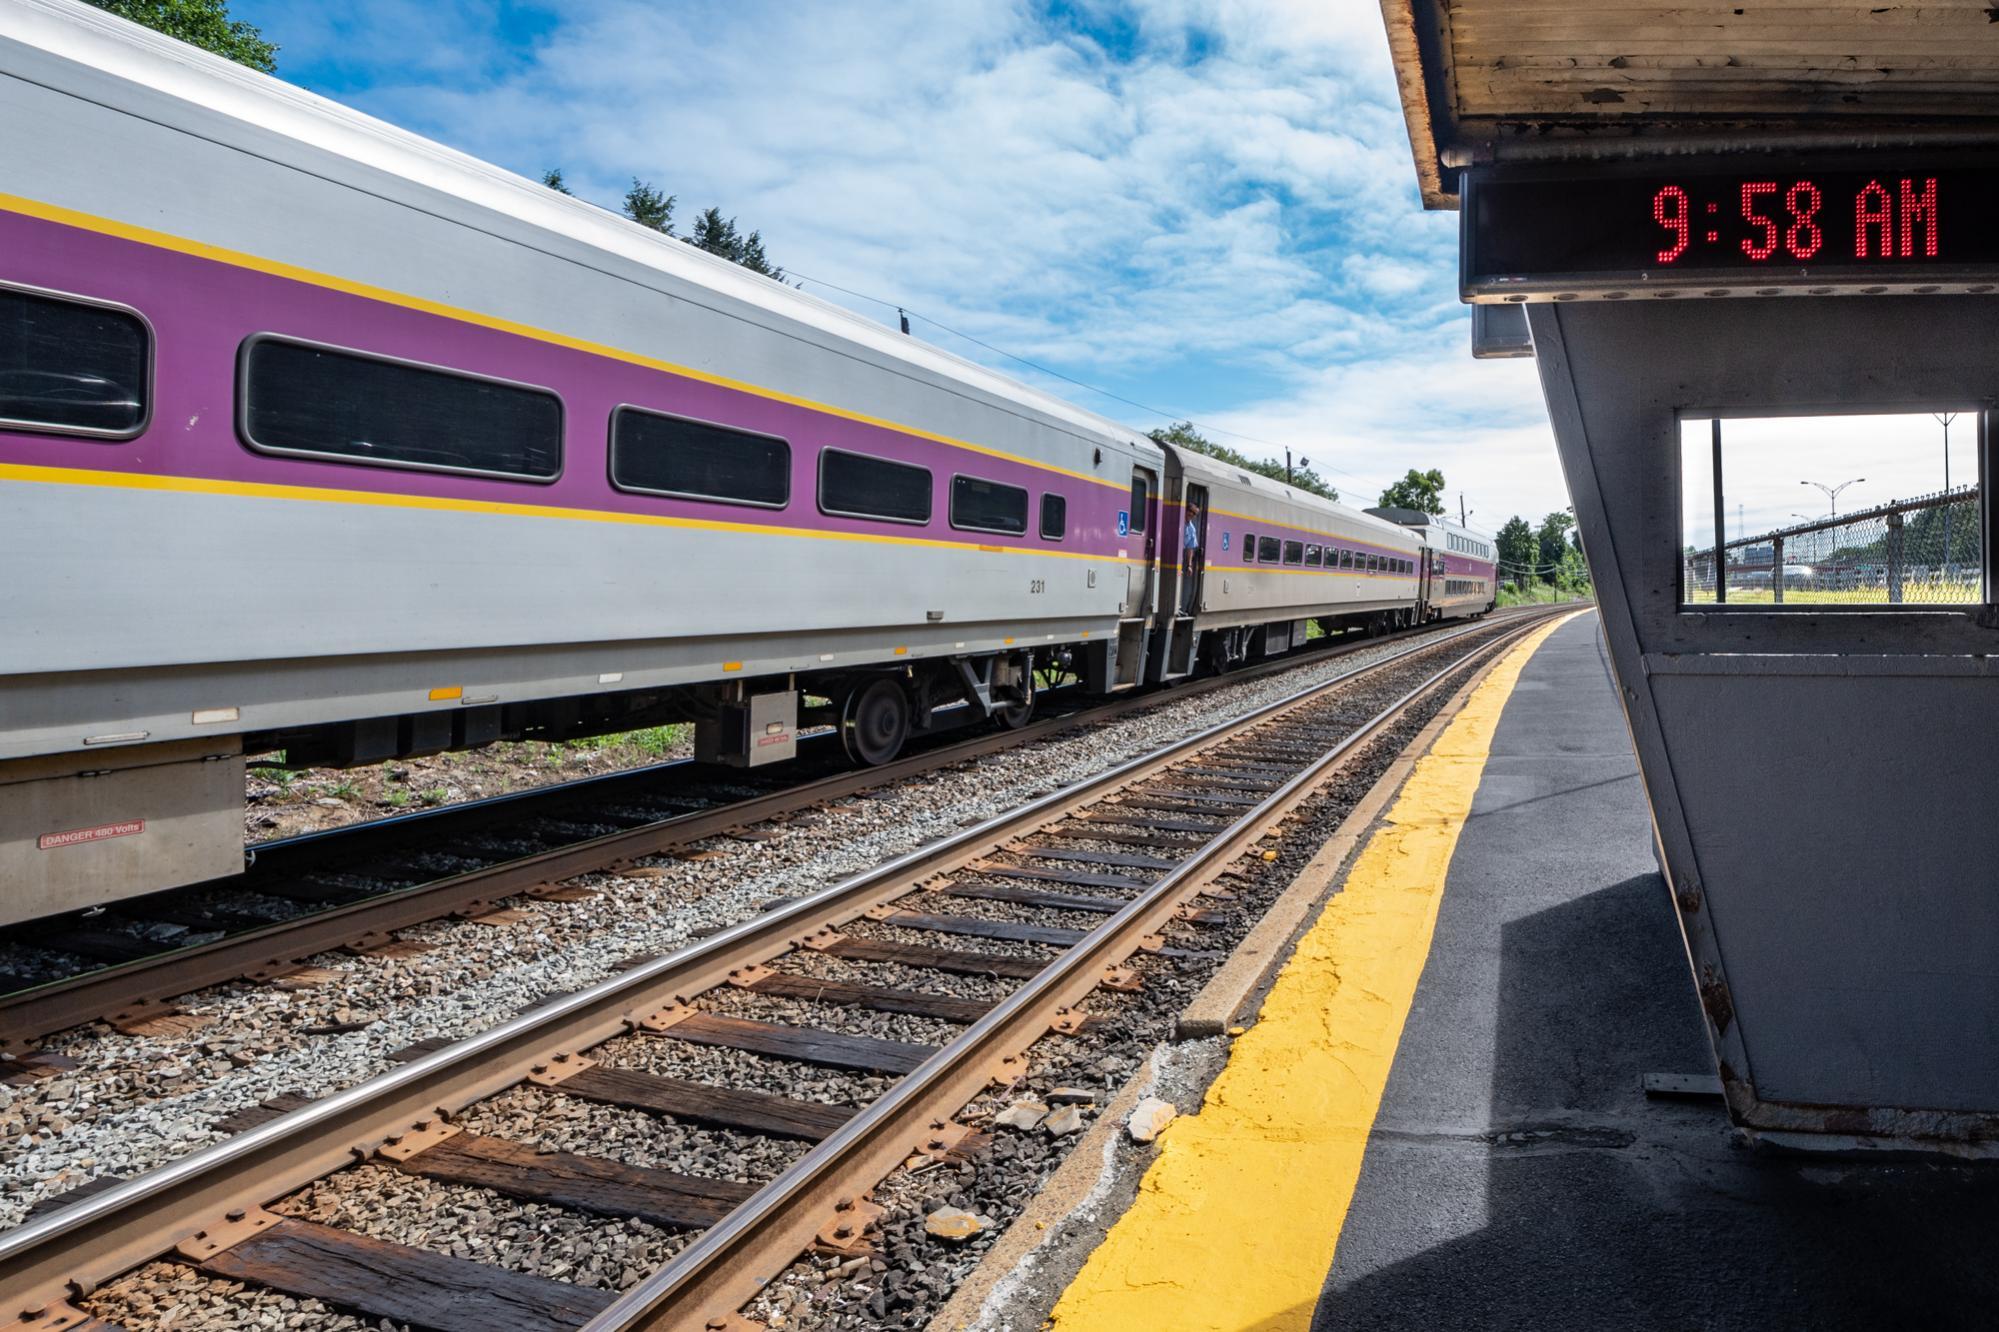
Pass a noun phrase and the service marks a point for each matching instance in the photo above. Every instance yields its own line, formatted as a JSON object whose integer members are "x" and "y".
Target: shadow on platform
{"x": 1603, "y": 1209}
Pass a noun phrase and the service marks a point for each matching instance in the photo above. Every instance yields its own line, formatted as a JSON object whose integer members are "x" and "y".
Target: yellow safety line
{"x": 1235, "y": 1225}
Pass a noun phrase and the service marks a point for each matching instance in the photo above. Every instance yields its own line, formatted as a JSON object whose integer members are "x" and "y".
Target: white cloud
{"x": 1366, "y": 422}
{"x": 1207, "y": 201}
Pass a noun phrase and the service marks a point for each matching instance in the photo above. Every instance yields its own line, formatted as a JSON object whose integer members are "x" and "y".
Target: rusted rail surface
{"x": 207, "y": 1206}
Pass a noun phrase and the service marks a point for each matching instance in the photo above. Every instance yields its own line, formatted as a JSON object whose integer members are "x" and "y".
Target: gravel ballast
{"x": 138, "y": 1102}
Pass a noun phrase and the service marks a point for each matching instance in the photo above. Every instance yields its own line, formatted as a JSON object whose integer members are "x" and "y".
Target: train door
{"x": 1193, "y": 549}
{"x": 1423, "y": 586}
{"x": 1141, "y": 547}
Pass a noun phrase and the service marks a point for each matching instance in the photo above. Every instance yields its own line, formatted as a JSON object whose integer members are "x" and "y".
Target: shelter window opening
{"x": 1832, "y": 513}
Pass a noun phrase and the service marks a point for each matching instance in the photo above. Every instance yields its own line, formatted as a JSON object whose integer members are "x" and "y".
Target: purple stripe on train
{"x": 202, "y": 309}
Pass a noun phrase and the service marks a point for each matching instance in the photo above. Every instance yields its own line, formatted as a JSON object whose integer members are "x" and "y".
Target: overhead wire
{"x": 1036, "y": 366}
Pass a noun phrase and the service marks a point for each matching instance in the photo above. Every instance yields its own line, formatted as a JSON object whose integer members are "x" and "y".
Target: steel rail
{"x": 93, "y": 1240}
{"x": 736, "y": 1257}
{"x": 131, "y": 987}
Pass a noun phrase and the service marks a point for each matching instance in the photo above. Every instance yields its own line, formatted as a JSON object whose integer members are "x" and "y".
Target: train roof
{"x": 1415, "y": 518}
{"x": 87, "y": 36}
{"x": 1214, "y": 471}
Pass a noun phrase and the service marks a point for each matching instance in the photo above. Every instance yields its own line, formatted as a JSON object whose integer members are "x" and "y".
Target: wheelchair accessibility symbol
{"x": 1124, "y": 522}
{"x": 1225, "y": 541}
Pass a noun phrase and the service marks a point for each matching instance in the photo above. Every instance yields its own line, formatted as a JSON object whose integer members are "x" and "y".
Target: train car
{"x": 1462, "y": 578}
{"x": 319, "y": 437}
{"x": 1265, "y": 559}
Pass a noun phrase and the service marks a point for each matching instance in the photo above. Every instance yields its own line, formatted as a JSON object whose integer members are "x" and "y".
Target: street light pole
{"x": 1818, "y": 537}
{"x": 1832, "y": 492}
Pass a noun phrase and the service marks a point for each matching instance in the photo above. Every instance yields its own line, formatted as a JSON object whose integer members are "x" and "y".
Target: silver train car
{"x": 318, "y": 436}
{"x": 1463, "y": 578}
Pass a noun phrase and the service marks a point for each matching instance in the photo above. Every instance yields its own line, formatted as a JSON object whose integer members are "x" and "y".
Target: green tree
{"x": 553, "y": 179}
{"x": 1552, "y": 544}
{"x": 1519, "y": 552}
{"x": 754, "y": 258}
{"x": 649, "y": 208}
{"x": 1573, "y": 575}
{"x": 717, "y": 235}
{"x": 1182, "y": 435}
{"x": 202, "y": 23}
{"x": 1421, "y": 491}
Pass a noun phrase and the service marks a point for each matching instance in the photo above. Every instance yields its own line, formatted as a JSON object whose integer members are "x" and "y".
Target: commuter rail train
{"x": 316, "y": 436}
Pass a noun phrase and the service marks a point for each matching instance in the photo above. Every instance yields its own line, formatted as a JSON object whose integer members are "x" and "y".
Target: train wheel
{"x": 874, "y": 722}
{"x": 1215, "y": 651}
{"x": 1013, "y": 716}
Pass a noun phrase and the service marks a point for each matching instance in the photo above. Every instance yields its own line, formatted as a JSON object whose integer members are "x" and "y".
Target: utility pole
{"x": 1463, "y": 519}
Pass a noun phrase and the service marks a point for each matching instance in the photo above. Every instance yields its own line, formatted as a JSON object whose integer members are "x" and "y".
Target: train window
{"x": 326, "y": 402}
{"x": 1311, "y": 557}
{"x": 1140, "y": 496}
{"x": 73, "y": 366}
{"x": 1829, "y": 514}
{"x": 1248, "y": 548}
{"x": 1266, "y": 550}
{"x": 656, "y": 454}
{"x": 857, "y": 485}
{"x": 1294, "y": 552}
{"x": 1054, "y": 517}
{"x": 979, "y": 505}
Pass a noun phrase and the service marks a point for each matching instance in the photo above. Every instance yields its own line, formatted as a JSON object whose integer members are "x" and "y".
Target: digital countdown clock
{"x": 1577, "y": 234}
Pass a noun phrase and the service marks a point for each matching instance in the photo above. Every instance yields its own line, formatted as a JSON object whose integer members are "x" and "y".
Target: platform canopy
{"x": 1536, "y": 80}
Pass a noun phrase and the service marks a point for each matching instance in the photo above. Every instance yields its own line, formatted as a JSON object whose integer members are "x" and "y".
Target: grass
{"x": 1536, "y": 594}
{"x": 1913, "y": 594}
{"x": 653, "y": 740}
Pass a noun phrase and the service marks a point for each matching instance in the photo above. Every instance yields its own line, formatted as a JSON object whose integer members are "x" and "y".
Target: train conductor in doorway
{"x": 1190, "y": 560}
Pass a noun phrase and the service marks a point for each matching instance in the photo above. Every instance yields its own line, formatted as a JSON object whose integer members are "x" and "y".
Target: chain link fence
{"x": 1919, "y": 552}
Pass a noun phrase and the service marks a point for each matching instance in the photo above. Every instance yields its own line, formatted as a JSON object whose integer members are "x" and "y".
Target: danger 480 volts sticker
{"x": 55, "y": 841}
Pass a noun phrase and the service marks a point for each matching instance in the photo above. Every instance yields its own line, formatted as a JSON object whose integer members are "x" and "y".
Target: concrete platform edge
{"x": 1249, "y": 969}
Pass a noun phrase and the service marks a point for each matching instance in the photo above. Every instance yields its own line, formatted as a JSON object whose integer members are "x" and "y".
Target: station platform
{"x": 1488, "y": 1156}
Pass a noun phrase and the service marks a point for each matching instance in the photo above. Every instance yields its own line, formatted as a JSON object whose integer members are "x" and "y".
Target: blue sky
{"x": 1204, "y": 206}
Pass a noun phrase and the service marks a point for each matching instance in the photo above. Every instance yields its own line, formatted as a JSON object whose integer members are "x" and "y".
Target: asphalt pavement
{"x": 1517, "y": 1174}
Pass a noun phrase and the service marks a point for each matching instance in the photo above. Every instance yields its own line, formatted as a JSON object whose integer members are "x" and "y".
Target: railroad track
{"x": 352, "y": 888}
{"x": 1052, "y": 911}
